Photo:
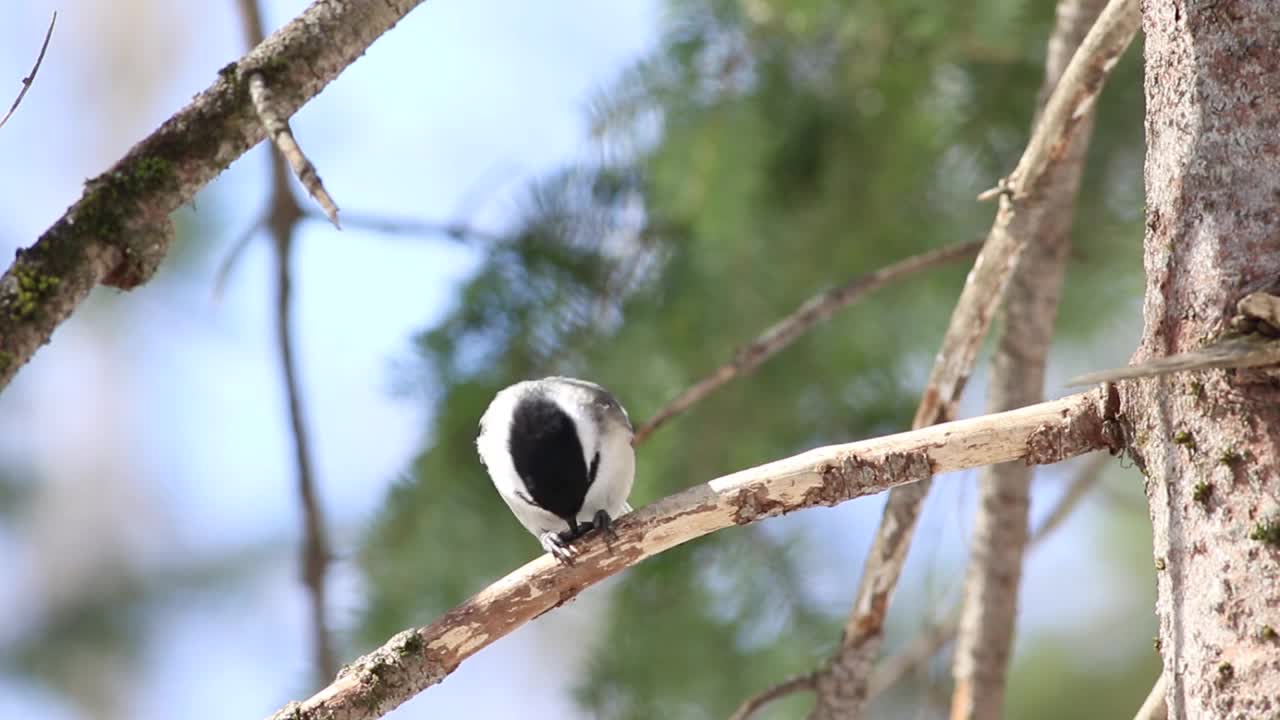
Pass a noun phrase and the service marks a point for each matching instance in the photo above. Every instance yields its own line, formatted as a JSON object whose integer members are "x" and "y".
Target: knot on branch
{"x": 854, "y": 476}
{"x": 141, "y": 252}
{"x": 754, "y": 503}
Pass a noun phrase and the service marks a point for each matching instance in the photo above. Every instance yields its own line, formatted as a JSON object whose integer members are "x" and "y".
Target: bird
{"x": 559, "y": 451}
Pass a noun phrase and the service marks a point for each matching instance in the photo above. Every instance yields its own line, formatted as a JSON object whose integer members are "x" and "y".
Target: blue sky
{"x": 446, "y": 117}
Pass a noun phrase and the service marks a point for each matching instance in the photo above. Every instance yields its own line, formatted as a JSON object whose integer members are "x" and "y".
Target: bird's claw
{"x": 557, "y": 543}
{"x": 604, "y": 524}
{"x": 560, "y": 544}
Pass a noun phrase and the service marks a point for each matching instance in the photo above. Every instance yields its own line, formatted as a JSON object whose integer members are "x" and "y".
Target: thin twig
{"x": 1080, "y": 486}
{"x": 278, "y": 130}
{"x": 456, "y": 231}
{"x": 30, "y": 78}
{"x": 1245, "y": 351}
{"x": 890, "y": 672}
{"x": 922, "y": 649}
{"x": 413, "y": 660}
{"x": 281, "y": 221}
{"x": 803, "y": 319}
{"x": 229, "y": 261}
{"x": 1252, "y": 343}
{"x": 842, "y": 688}
{"x": 800, "y": 683}
{"x": 315, "y": 549}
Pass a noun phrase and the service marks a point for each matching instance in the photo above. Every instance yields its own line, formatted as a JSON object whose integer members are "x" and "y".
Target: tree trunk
{"x": 1209, "y": 441}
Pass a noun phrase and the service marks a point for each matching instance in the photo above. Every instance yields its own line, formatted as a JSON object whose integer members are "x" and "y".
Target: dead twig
{"x": 456, "y": 231}
{"x": 803, "y": 319}
{"x": 800, "y": 683}
{"x": 414, "y": 660}
{"x": 1253, "y": 342}
{"x": 278, "y": 130}
{"x": 31, "y": 77}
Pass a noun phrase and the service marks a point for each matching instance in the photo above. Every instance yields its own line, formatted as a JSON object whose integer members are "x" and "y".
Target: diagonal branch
{"x": 931, "y": 641}
{"x": 31, "y": 77}
{"x": 842, "y": 687}
{"x": 282, "y": 218}
{"x": 1000, "y": 534}
{"x": 807, "y": 682}
{"x": 414, "y": 660}
{"x": 277, "y": 127}
{"x": 786, "y": 331}
{"x": 118, "y": 232}
{"x": 1155, "y": 707}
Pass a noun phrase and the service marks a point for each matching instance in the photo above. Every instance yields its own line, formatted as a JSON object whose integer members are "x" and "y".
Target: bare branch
{"x": 1245, "y": 351}
{"x": 1074, "y": 95}
{"x": 992, "y": 580}
{"x": 280, "y": 134}
{"x": 1155, "y": 706}
{"x": 117, "y": 233}
{"x": 800, "y": 683}
{"x": 282, "y": 218}
{"x": 31, "y": 77}
{"x": 315, "y": 554}
{"x": 456, "y": 231}
{"x": 1252, "y": 343}
{"x": 842, "y": 688}
{"x": 803, "y": 319}
{"x": 416, "y": 659}
{"x": 931, "y": 641}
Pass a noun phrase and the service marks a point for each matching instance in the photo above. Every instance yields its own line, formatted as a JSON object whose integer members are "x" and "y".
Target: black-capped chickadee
{"x": 559, "y": 452}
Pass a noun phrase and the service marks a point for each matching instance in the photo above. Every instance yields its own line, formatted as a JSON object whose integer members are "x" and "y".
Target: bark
{"x": 118, "y": 232}
{"x": 414, "y": 660}
{"x": 1000, "y": 529}
{"x": 1209, "y": 441}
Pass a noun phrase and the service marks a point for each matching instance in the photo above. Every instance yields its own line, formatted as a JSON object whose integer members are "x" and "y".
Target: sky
{"x": 445, "y": 118}
{"x": 155, "y": 419}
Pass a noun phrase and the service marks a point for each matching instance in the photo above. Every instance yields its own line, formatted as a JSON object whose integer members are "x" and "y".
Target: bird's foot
{"x": 604, "y": 524}
{"x": 557, "y": 543}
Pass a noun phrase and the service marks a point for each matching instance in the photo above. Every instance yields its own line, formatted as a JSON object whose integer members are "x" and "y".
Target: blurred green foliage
{"x": 766, "y": 150}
